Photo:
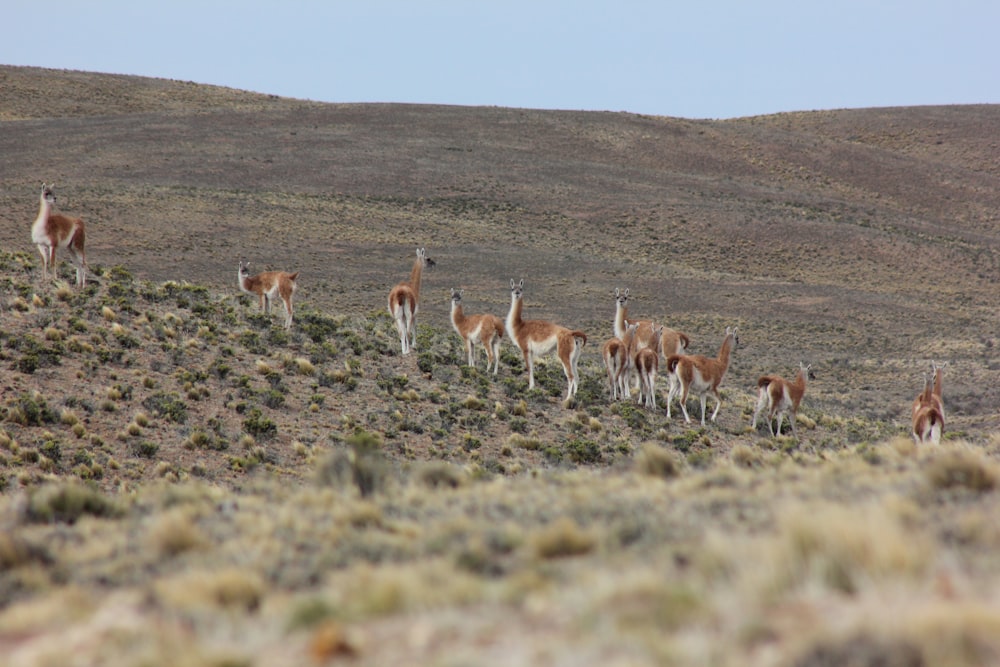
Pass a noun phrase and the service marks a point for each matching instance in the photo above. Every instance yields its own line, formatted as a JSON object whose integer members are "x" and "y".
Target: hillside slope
{"x": 825, "y": 235}
{"x": 185, "y": 481}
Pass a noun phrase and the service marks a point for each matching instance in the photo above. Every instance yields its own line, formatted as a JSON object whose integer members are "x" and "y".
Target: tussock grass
{"x": 657, "y": 461}
{"x": 67, "y": 502}
{"x": 440, "y": 474}
{"x": 303, "y": 366}
{"x": 845, "y": 550}
{"x": 16, "y": 551}
{"x": 961, "y": 467}
{"x": 367, "y": 592}
{"x": 562, "y": 538}
{"x": 231, "y": 588}
{"x": 746, "y": 456}
{"x": 174, "y": 533}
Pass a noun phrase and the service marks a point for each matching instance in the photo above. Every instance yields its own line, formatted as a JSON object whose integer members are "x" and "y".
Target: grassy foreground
{"x": 184, "y": 482}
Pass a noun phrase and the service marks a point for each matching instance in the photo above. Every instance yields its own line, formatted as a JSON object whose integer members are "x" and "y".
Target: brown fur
{"x": 268, "y": 284}
{"x": 772, "y": 390}
{"x": 615, "y": 354}
{"x": 51, "y": 231}
{"x": 708, "y": 373}
{"x": 928, "y": 408}
{"x": 534, "y": 337}
{"x": 646, "y": 362}
{"x": 924, "y": 422}
{"x": 490, "y": 332}
{"x": 671, "y": 341}
{"x": 404, "y": 302}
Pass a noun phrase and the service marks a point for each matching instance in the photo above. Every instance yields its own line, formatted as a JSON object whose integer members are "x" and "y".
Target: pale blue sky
{"x": 694, "y": 59}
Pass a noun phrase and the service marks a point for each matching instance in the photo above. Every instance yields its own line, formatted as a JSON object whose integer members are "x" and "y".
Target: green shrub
{"x": 144, "y": 448}
{"x": 168, "y": 406}
{"x": 257, "y": 425}
{"x": 632, "y": 414}
{"x": 30, "y": 410}
{"x": 317, "y": 327}
{"x": 251, "y": 340}
{"x": 370, "y": 468}
{"x": 583, "y": 451}
{"x": 34, "y": 354}
{"x": 52, "y": 449}
{"x": 273, "y": 398}
{"x": 67, "y": 502}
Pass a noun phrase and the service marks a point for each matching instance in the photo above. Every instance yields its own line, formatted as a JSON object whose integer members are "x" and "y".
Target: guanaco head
{"x": 424, "y": 259}
{"x": 456, "y": 296}
{"x": 621, "y": 297}
{"x": 658, "y": 337}
{"x": 244, "y": 271}
{"x": 937, "y": 368}
{"x": 735, "y": 333}
{"x": 517, "y": 290}
{"x": 806, "y": 370}
{"x": 48, "y": 195}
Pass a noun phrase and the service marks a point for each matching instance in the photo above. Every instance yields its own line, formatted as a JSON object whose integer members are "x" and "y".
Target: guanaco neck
{"x": 724, "y": 351}
{"x": 44, "y": 211}
{"x": 514, "y": 320}
{"x": 798, "y": 388}
{"x": 628, "y": 336}
{"x": 927, "y": 395}
{"x": 937, "y": 382}
{"x": 249, "y": 283}
{"x": 657, "y": 345}
{"x": 418, "y": 267}
{"x": 620, "y": 313}
{"x": 457, "y": 314}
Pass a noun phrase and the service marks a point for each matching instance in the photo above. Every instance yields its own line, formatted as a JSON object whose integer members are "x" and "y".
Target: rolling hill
{"x": 170, "y": 455}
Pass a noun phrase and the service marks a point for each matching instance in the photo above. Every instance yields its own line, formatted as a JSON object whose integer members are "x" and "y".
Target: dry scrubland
{"x": 186, "y": 482}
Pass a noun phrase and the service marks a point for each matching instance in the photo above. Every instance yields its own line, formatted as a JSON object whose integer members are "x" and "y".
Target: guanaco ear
{"x": 626, "y": 292}
{"x": 617, "y": 292}
{"x": 511, "y": 284}
{"x": 520, "y": 285}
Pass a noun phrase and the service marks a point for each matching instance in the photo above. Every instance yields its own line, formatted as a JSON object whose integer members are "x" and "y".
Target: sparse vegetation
{"x": 177, "y": 469}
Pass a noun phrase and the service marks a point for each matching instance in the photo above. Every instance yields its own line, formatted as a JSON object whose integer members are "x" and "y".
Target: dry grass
{"x": 186, "y": 482}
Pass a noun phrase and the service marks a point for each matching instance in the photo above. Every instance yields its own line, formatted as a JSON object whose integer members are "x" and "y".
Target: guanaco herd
{"x": 631, "y": 357}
